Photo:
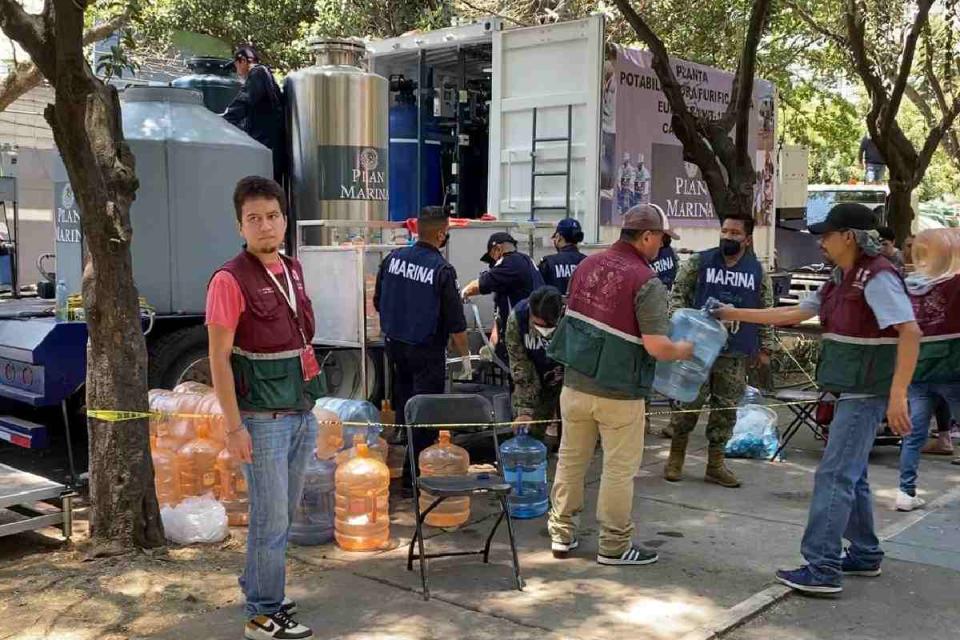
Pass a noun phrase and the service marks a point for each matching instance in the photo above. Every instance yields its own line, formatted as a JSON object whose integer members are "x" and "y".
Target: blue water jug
{"x": 681, "y": 379}
{"x": 524, "y": 462}
{"x": 358, "y": 411}
{"x": 313, "y": 518}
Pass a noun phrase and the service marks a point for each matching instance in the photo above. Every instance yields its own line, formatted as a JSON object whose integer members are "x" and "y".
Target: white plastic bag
{"x": 755, "y": 433}
{"x": 195, "y": 519}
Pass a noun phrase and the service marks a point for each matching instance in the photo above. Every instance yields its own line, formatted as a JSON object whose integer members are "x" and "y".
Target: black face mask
{"x": 443, "y": 242}
{"x": 729, "y": 247}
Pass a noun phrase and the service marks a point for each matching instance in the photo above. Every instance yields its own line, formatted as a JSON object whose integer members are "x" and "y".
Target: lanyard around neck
{"x": 289, "y": 296}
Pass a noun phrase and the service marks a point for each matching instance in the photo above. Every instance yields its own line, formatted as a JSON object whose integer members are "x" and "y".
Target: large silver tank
{"x": 337, "y": 122}
{"x": 188, "y": 161}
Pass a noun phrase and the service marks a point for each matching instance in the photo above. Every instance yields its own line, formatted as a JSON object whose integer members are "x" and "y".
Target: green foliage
{"x": 118, "y": 60}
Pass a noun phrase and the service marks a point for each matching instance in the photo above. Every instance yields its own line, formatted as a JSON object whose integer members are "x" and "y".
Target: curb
{"x": 740, "y": 614}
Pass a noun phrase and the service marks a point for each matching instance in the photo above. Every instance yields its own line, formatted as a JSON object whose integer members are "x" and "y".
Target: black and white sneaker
{"x": 632, "y": 556}
{"x": 289, "y": 606}
{"x": 562, "y": 549}
{"x": 279, "y": 626}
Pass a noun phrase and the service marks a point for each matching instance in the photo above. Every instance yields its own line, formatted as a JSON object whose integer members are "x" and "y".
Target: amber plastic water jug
{"x": 165, "y": 475}
{"x": 196, "y": 463}
{"x": 232, "y": 489}
{"x": 362, "y": 521}
{"x": 445, "y": 459}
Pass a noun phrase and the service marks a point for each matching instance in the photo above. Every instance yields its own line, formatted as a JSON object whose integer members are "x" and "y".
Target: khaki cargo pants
{"x": 619, "y": 424}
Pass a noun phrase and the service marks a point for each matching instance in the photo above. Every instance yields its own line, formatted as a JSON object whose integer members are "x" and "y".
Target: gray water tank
{"x": 189, "y": 161}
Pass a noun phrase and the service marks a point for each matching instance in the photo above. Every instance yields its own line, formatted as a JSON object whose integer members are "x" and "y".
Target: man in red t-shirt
{"x": 266, "y": 377}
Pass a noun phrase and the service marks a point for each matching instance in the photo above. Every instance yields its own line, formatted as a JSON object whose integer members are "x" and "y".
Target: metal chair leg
{"x": 423, "y": 559}
{"x": 513, "y": 544}
{"x": 486, "y": 547}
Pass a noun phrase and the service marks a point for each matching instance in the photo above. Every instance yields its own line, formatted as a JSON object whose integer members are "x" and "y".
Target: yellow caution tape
{"x": 124, "y": 416}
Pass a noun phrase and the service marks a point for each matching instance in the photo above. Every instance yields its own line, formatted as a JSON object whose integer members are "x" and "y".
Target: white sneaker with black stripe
{"x": 562, "y": 549}
{"x": 633, "y": 556}
{"x": 279, "y": 626}
{"x": 289, "y": 606}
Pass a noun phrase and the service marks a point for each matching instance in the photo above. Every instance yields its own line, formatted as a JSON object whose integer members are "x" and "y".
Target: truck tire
{"x": 177, "y": 357}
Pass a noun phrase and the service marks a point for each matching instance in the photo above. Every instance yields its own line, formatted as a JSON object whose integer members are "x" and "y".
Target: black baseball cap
{"x": 497, "y": 238}
{"x": 243, "y": 52}
{"x": 848, "y": 215}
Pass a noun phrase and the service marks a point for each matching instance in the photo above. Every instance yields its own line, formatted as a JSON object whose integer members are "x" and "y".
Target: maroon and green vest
{"x": 598, "y": 335}
{"x": 938, "y": 314}
{"x": 268, "y": 340}
{"x": 856, "y": 355}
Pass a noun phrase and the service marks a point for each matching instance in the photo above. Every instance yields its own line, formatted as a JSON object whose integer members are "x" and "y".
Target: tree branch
{"x": 906, "y": 61}
{"x": 686, "y": 126}
{"x": 28, "y": 30}
{"x": 934, "y": 138}
{"x": 743, "y": 81}
{"x": 836, "y": 38}
{"x": 27, "y": 76}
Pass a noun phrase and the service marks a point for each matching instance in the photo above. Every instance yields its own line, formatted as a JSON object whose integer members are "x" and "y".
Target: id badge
{"x": 309, "y": 364}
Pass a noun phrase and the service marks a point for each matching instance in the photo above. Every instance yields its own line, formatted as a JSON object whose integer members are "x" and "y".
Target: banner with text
{"x": 642, "y": 161}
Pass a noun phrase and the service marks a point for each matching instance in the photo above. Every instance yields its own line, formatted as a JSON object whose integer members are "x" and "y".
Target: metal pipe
{"x": 533, "y": 165}
{"x": 569, "y": 151}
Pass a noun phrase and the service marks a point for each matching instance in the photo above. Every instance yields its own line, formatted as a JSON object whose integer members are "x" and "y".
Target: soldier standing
{"x": 732, "y": 274}
{"x": 558, "y": 268}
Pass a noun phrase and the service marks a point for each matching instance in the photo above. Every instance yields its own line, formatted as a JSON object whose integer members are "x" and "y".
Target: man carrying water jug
{"x": 267, "y": 379}
{"x": 731, "y": 274}
{"x": 609, "y": 340}
{"x": 868, "y": 354}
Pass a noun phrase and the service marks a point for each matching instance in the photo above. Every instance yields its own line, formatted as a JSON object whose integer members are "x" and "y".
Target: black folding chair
{"x": 450, "y": 409}
{"x": 804, "y": 414}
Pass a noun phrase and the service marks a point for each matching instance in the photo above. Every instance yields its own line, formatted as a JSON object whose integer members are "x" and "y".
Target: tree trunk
{"x": 900, "y": 209}
{"x": 87, "y": 128}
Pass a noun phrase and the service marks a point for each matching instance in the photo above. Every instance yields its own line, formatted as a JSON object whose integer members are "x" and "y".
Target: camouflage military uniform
{"x": 728, "y": 378}
{"x": 532, "y": 396}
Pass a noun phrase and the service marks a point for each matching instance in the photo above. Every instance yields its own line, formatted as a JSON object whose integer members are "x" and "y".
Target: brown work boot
{"x": 673, "y": 472}
{"x": 942, "y": 445}
{"x": 717, "y": 471}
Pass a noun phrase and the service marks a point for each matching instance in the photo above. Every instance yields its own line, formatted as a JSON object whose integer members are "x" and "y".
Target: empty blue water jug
{"x": 313, "y": 518}
{"x": 681, "y": 379}
{"x": 358, "y": 411}
{"x": 524, "y": 462}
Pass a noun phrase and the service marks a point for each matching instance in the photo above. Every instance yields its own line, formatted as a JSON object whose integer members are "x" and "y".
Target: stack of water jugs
{"x": 188, "y": 447}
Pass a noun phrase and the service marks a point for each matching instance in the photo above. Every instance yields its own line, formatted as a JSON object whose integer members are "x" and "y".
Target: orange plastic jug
{"x": 165, "y": 477}
{"x": 329, "y": 433}
{"x": 196, "y": 462}
{"x": 191, "y": 386}
{"x": 396, "y": 458}
{"x": 388, "y": 418}
{"x": 208, "y": 405}
{"x": 445, "y": 459}
{"x": 362, "y": 519}
{"x": 232, "y": 489}
{"x": 379, "y": 449}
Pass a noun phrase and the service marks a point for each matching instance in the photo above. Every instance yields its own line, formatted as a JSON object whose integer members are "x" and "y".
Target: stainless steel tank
{"x": 337, "y": 117}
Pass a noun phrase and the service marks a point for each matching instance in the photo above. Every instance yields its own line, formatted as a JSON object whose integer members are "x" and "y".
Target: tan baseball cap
{"x": 648, "y": 217}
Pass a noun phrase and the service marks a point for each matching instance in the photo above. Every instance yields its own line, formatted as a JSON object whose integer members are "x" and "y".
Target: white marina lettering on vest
{"x": 534, "y": 343}
{"x": 663, "y": 264}
{"x": 565, "y": 270}
{"x": 410, "y": 271}
{"x": 730, "y": 278}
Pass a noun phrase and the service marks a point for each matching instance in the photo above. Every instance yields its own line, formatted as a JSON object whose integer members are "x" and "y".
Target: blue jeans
{"x": 281, "y": 449}
{"x": 923, "y": 400}
{"x": 841, "y": 506}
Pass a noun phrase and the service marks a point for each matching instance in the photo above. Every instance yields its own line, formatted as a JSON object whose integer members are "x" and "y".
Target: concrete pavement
{"x": 719, "y": 548}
